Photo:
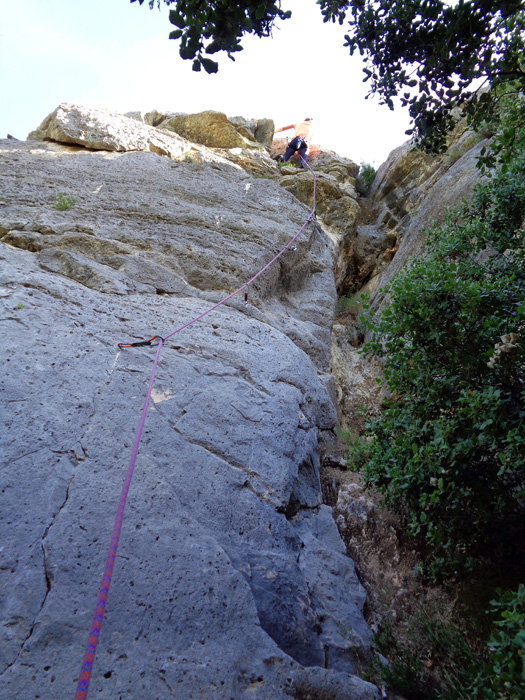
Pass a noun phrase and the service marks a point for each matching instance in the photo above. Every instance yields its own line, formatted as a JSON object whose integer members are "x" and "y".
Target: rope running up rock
{"x": 89, "y": 656}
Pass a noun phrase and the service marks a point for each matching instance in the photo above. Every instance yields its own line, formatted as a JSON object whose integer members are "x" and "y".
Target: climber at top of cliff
{"x": 301, "y": 140}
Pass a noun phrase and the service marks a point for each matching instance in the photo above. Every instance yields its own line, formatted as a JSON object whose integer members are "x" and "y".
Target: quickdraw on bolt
{"x": 142, "y": 343}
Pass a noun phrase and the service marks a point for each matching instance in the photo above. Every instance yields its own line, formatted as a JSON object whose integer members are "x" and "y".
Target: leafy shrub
{"x": 63, "y": 202}
{"x": 504, "y": 677}
{"x": 503, "y": 121}
{"x": 286, "y": 164}
{"x": 430, "y": 658}
{"x": 448, "y": 450}
{"x": 352, "y": 304}
{"x": 365, "y": 178}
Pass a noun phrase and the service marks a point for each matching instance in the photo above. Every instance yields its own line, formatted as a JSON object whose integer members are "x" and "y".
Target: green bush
{"x": 63, "y": 202}
{"x": 352, "y": 304}
{"x": 433, "y": 659}
{"x": 504, "y": 123}
{"x": 287, "y": 164}
{"x": 429, "y": 657}
{"x": 504, "y": 677}
{"x": 448, "y": 450}
{"x": 365, "y": 178}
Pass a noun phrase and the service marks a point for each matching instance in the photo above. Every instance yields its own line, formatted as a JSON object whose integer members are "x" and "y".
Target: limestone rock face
{"x": 261, "y": 129}
{"x": 354, "y": 375}
{"x": 407, "y": 207}
{"x": 99, "y": 130}
{"x": 256, "y": 162}
{"x": 410, "y": 191}
{"x": 337, "y": 200}
{"x": 344, "y": 170}
{"x": 215, "y": 129}
{"x": 231, "y": 580}
{"x": 212, "y": 129}
{"x": 336, "y": 210}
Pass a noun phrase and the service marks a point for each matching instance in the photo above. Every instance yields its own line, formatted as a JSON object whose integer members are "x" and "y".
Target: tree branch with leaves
{"x": 431, "y": 55}
{"x": 205, "y": 28}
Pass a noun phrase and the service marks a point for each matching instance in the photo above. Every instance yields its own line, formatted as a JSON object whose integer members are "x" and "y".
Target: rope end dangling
{"x": 142, "y": 343}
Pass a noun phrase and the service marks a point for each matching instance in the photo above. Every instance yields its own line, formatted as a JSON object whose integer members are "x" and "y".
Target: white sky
{"x": 116, "y": 55}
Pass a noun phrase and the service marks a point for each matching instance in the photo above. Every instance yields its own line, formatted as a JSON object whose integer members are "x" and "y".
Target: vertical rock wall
{"x": 410, "y": 192}
{"x": 231, "y": 580}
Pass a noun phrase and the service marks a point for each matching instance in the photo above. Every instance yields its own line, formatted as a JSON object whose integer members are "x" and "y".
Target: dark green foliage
{"x": 448, "y": 450}
{"x": 427, "y": 53}
{"x": 504, "y": 121}
{"x": 63, "y": 202}
{"x": 434, "y": 659}
{"x": 219, "y": 25}
{"x": 365, "y": 178}
{"x": 504, "y": 675}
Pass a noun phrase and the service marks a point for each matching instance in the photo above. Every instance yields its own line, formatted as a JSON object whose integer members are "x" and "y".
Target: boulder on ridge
{"x": 108, "y": 131}
{"x": 211, "y": 129}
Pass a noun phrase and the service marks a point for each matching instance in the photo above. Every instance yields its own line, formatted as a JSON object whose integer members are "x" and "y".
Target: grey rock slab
{"x": 99, "y": 130}
{"x": 88, "y": 272}
{"x": 206, "y": 496}
{"x": 218, "y": 584}
{"x": 176, "y": 232}
{"x": 331, "y": 578}
{"x": 335, "y": 209}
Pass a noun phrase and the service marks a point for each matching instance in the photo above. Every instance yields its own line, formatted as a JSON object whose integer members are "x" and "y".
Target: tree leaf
{"x": 209, "y": 65}
{"x": 177, "y": 19}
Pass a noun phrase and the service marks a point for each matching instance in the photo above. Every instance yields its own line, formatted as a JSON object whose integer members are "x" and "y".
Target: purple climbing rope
{"x": 89, "y": 655}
